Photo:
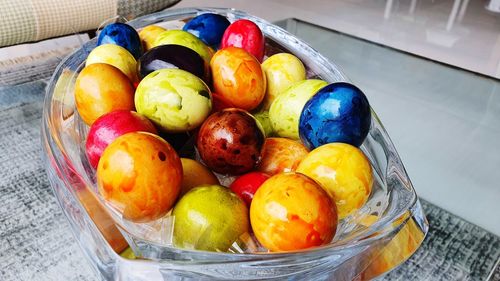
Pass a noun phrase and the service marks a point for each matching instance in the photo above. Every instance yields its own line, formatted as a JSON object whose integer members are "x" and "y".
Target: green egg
{"x": 174, "y": 99}
{"x": 186, "y": 39}
{"x": 210, "y": 218}
{"x": 263, "y": 119}
{"x": 286, "y": 108}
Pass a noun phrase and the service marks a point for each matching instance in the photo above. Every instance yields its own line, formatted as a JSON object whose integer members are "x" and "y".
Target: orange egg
{"x": 238, "y": 78}
{"x": 102, "y": 88}
{"x": 281, "y": 155}
{"x": 140, "y": 174}
{"x": 149, "y": 34}
{"x": 195, "y": 174}
{"x": 291, "y": 212}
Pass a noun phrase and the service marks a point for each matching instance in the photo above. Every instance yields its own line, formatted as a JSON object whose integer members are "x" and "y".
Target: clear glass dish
{"x": 371, "y": 242}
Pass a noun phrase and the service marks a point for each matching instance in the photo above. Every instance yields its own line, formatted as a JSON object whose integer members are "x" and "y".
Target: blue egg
{"x": 122, "y": 35}
{"x": 208, "y": 27}
{"x": 339, "y": 112}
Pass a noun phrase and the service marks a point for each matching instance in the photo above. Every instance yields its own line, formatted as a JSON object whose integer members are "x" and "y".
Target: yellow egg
{"x": 149, "y": 34}
{"x": 117, "y": 56}
{"x": 343, "y": 171}
{"x": 282, "y": 71}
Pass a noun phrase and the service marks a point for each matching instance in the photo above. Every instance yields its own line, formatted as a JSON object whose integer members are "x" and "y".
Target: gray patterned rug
{"x": 36, "y": 242}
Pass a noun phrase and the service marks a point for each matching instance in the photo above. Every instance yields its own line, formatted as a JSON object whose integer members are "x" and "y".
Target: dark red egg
{"x": 109, "y": 127}
{"x": 229, "y": 141}
{"x": 246, "y": 185}
{"x": 247, "y": 35}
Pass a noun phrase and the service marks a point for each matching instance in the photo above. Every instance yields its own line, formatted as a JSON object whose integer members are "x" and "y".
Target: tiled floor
{"x": 458, "y": 32}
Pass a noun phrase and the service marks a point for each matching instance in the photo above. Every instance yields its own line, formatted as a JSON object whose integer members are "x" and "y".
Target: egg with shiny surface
{"x": 149, "y": 34}
{"x": 110, "y": 126}
{"x": 281, "y": 155}
{"x": 102, "y": 88}
{"x": 292, "y": 212}
{"x": 343, "y": 171}
{"x": 282, "y": 71}
{"x": 195, "y": 174}
{"x": 172, "y": 56}
{"x": 210, "y": 218}
{"x": 186, "y": 39}
{"x": 229, "y": 142}
{"x": 174, "y": 99}
{"x": 246, "y": 185}
{"x": 238, "y": 78}
{"x": 339, "y": 112}
{"x": 286, "y": 108}
{"x": 140, "y": 174}
{"x": 116, "y": 56}
{"x": 245, "y": 34}
{"x": 208, "y": 27}
{"x": 123, "y": 35}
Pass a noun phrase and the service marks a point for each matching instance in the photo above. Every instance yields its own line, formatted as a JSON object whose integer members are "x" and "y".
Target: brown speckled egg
{"x": 229, "y": 141}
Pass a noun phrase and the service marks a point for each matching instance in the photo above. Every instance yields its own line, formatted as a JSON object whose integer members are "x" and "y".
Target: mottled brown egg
{"x": 229, "y": 141}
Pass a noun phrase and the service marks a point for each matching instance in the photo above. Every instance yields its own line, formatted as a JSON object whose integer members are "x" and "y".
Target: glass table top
{"x": 444, "y": 121}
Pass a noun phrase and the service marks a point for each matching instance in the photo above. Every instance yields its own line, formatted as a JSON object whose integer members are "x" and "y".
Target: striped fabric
{"x": 33, "y": 20}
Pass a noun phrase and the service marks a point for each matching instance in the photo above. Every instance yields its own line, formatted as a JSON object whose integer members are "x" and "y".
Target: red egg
{"x": 246, "y": 185}
{"x": 110, "y": 126}
{"x": 247, "y": 35}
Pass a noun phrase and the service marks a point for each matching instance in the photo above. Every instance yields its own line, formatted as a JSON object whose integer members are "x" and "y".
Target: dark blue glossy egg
{"x": 339, "y": 112}
{"x": 172, "y": 56}
{"x": 208, "y": 27}
{"x": 122, "y": 35}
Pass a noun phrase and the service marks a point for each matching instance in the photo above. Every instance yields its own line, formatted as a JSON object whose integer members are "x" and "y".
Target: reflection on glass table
{"x": 443, "y": 120}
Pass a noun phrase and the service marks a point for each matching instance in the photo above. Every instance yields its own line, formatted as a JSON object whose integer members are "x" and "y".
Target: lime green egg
{"x": 286, "y": 108}
{"x": 174, "y": 99}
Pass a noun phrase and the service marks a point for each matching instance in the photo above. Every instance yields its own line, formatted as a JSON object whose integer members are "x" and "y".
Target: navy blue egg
{"x": 122, "y": 35}
{"x": 208, "y": 27}
{"x": 339, "y": 112}
{"x": 172, "y": 56}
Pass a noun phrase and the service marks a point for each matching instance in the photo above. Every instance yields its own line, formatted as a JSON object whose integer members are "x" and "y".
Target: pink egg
{"x": 246, "y": 35}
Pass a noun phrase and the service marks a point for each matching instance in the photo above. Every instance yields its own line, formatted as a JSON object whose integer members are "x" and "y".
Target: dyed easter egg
{"x": 282, "y": 71}
{"x": 281, "y": 155}
{"x": 229, "y": 141}
{"x": 149, "y": 34}
{"x": 209, "y": 218}
{"x": 116, "y": 56}
{"x": 208, "y": 27}
{"x": 265, "y": 122}
{"x": 246, "y": 185}
{"x": 195, "y": 174}
{"x": 247, "y": 35}
{"x": 172, "y": 56}
{"x": 186, "y": 39}
{"x": 343, "y": 171}
{"x": 286, "y": 108}
{"x": 292, "y": 212}
{"x": 174, "y": 99}
{"x": 339, "y": 112}
{"x": 238, "y": 78}
{"x": 140, "y": 174}
{"x": 110, "y": 126}
{"x": 102, "y": 88}
{"x": 122, "y": 35}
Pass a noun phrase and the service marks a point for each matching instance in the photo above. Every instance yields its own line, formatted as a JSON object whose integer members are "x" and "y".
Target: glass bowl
{"x": 370, "y": 242}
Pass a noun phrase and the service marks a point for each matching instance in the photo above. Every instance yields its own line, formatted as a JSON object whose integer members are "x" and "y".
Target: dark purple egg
{"x": 230, "y": 141}
{"x": 172, "y": 56}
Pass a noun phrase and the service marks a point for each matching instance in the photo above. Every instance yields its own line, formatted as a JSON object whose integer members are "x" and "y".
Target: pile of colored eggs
{"x": 209, "y": 94}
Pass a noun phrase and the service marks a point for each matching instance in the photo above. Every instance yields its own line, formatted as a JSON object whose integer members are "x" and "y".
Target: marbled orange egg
{"x": 238, "y": 78}
{"x": 140, "y": 174}
{"x": 102, "y": 88}
{"x": 291, "y": 212}
{"x": 281, "y": 155}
